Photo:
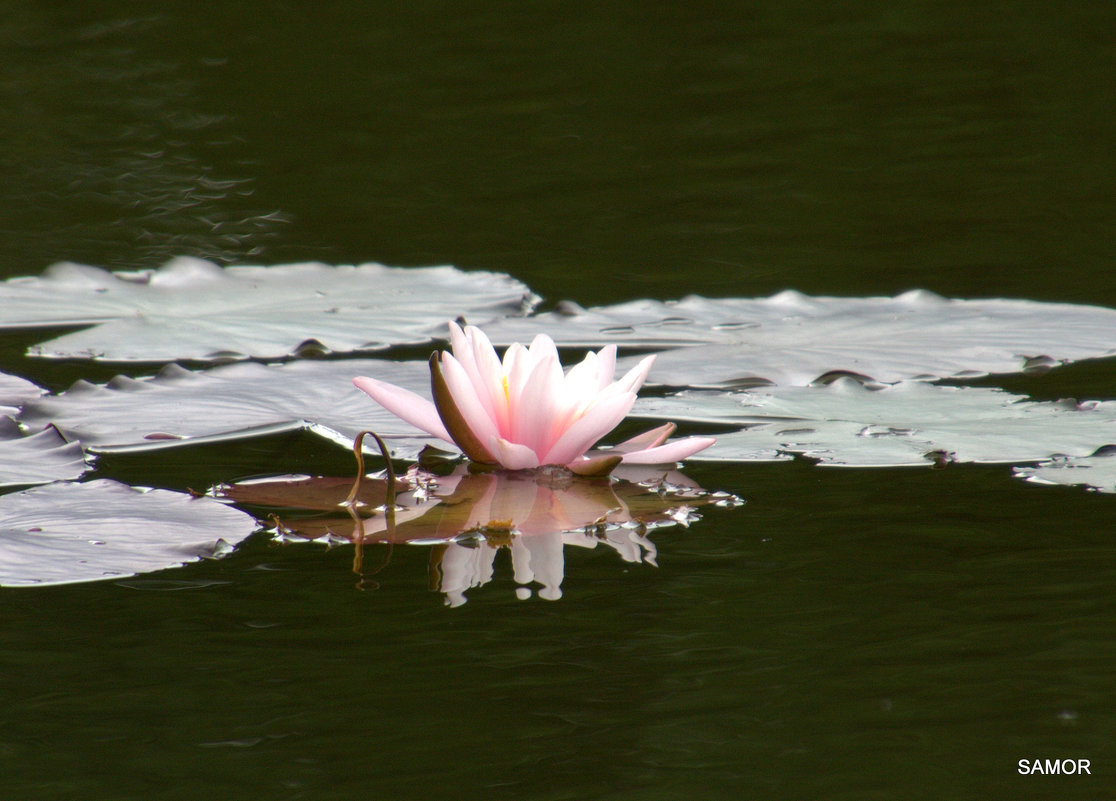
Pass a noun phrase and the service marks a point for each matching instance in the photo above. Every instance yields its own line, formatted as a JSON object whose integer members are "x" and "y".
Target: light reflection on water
{"x": 110, "y": 151}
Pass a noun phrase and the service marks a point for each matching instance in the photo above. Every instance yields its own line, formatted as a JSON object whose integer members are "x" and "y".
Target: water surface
{"x": 846, "y": 634}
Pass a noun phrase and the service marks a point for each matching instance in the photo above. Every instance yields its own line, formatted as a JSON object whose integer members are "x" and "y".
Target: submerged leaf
{"x": 468, "y": 517}
{"x": 64, "y": 533}
{"x": 443, "y": 508}
{"x": 792, "y": 339}
{"x": 193, "y": 309}
{"x": 235, "y": 401}
{"x": 911, "y": 423}
{"x": 37, "y": 459}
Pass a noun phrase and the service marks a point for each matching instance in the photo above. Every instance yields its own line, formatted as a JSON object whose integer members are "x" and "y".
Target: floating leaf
{"x": 64, "y": 533}
{"x": 15, "y": 391}
{"x": 235, "y": 401}
{"x": 910, "y": 423}
{"x": 1097, "y": 471}
{"x": 37, "y": 459}
{"x": 433, "y": 508}
{"x": 193, "y": 309}
{"x": 792, "y": 339}
{"x": 470, "y": 516}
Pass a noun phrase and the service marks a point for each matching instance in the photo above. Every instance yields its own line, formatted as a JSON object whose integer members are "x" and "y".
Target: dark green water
{"x": 847, "y": 634}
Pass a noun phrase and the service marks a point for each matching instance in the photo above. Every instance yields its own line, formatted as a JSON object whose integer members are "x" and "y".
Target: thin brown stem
{"x": 389, "y": 502}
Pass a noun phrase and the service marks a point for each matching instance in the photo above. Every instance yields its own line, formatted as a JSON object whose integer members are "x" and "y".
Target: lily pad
{"x": 37, "y": 459}
{"x": 793, "y": 339}
{"x": 191, "y": 309}
{"x": 15, "y": 391}
{"x": 911, "y": 423}
{"x": 1097, "y": 471}
{"x": 65, "y": 533}
{"x": 236, "y": 401}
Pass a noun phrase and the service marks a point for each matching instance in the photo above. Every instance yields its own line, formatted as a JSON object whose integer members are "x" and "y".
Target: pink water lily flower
{"x": 523, "y": 411}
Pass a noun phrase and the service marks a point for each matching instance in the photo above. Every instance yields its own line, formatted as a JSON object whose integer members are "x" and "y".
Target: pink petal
{"x": 512, "y": 455}
{"x": 518, "y": 364}
{"x": 537, "y": 406}
{"x": 648, "y": 439}
{"x": 489, "y": 379}
{"x": 575, "y": 392}
{"x": 634, "y": 378}
{"x": 585, "y": 379}
{"x": 674, "y": 451}
{"x": 405, "y": 405}
{"x": 584, "y": 432}
{"x": 543, "y": 347}
{"x": 607, "y": 359}
{"x": 462, "y": 345}
{"x": 483, "y": 354}
{"x": 466, "y": 399}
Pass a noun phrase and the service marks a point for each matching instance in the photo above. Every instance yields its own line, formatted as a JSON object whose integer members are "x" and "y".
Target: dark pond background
{"x": 846, "y": 634}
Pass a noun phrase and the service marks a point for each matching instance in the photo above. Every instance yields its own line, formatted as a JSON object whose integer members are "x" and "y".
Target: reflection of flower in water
{"x": 535, "y": 559}
{"x": 469, "y": 517}
{"x": 534, "y": 519}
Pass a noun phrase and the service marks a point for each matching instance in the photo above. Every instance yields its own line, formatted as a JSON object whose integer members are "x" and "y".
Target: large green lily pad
{"x": 64, "y": 533}
{"x": 793, "y": 339}
{"x": 845, "y": 423}
{"x": 191, "y": 309}
{"x": 236, "y": 401}
{"x": 16, "y": 391}
{"x": 1096, "y": 471}
{"x": 37, "y": 458}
